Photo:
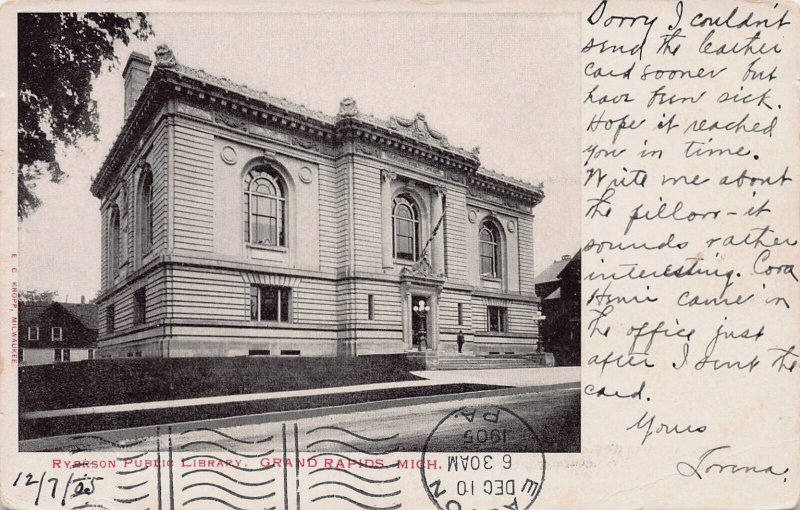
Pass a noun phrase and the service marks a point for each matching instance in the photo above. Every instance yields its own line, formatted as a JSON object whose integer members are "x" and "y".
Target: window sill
{"x": 271, "y": 324}
{"x": 491, "y": 279}
{"x": 280, "y": 249}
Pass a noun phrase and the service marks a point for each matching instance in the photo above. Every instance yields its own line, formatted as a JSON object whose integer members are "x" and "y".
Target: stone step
{"x": 454, "y": 361}
{"x": 450, "y": 362}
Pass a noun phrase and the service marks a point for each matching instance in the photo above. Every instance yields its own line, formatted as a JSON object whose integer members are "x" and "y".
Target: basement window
{"x": 258, "y": 352}
{"x": 289, "y": 352}
{"x": 270, "y": 303}
{"x": 496, "y": 319}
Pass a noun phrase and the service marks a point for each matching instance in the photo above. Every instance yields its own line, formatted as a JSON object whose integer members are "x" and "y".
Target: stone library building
{"x": 235, "y": 223}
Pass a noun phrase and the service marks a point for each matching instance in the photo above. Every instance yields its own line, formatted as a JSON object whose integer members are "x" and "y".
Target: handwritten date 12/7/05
{"x": 55, "y": 488}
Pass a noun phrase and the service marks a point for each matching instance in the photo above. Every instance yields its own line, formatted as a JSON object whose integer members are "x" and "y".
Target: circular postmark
{"x": 482, "y": 457}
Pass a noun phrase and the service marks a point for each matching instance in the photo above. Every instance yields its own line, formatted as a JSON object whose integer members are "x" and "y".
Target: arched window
{"x": 405, "y": 225}
{"x": 265, "y": 208}
{"x": 114, "y": 242}
{"x": 145, "y": 227}
{"x": 489, "y": 250}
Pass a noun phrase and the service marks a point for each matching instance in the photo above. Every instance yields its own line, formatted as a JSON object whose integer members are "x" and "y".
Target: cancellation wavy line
{"x": 89, "y": 505}
{"x": 353, "y": 461}
{"x": 125, "y": 443}
{"x": 129, "y": 487}
{"x": 368, "y": 480}
{"x": 128, "y": 501}
{"x": 359, "y": 436}
{"x": 227, "y": 436}
{"x": 207, "y": 456}
{"x": 354, "y": 502}
{"x": 232, "y": 493}
{"x": 229, "y": 505}
{"x": 355, "y": 448}
{"x": 212, "y": 443}
{"x": 123, "y": 459}
{"x": 220, "y": 473}
{"x": 356, "y": 489}
{"x": 132, "y": 472}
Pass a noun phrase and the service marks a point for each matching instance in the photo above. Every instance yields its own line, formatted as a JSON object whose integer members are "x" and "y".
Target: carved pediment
{"x": 418, "y": 128}
{"x": 421, "y": 269}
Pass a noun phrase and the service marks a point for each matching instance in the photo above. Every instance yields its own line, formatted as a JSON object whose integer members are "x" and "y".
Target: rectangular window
{"x": 258, "y": 352}
{"x": 110, "y": 318}
{"x": 270, "y": 303}
{"x": 56, "y": 354}
{"x": 139, "y": 306}
{"x": 371, "y": 307}
{"x": 461, "y": 314}
{"x": 33, "y": 333}
{"x": 91, "y": 353}
{"x": 55, "y": 334}
{"x": 65, "y": 354}
{"x": 496, "y": 319}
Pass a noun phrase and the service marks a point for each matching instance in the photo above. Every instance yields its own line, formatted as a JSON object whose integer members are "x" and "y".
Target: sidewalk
{"x": 515, "y": 377}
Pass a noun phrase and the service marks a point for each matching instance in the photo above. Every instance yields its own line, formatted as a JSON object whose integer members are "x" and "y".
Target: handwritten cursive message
{"x": 690, "y": 288}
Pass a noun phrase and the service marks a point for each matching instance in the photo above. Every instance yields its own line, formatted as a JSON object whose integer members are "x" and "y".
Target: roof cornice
{"x": 412, "y": 137}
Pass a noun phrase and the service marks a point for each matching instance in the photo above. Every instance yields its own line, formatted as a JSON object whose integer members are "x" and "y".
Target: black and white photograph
{"x": 243, "y": 236}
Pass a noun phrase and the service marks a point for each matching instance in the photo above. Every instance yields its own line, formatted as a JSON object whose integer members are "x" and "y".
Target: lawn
{"x": 43, "y": 427}
{"x": 120, "y": 381}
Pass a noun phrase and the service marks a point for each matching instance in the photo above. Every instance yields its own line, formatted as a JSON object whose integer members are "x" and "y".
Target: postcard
{"x": 400, "y": 255}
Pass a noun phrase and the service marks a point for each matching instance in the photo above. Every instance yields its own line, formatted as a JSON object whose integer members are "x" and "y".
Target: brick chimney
{"x": 135, "y": 74}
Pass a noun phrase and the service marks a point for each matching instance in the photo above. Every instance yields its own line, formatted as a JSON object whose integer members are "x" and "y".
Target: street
{"x": 380, "y": 427}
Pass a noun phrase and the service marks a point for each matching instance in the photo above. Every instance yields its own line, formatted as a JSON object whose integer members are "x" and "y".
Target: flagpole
{"x": 433, "y": 233}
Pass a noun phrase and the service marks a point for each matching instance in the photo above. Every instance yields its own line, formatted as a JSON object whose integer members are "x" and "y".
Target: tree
{"x": 59, "y": 55}
{"x": 37, "y": 297}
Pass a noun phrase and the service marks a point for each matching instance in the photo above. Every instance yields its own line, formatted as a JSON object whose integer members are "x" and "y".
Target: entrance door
{"x": 420, "y": 308}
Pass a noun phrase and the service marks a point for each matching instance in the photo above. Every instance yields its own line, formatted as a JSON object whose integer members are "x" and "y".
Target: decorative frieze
{"x": 367, "y": 149}
{"x": 193, "y": 111}
{"x": 456, "y": 176}
{"x": 497, "y": 199}
{"x": 230, "y": 121}
{"x": 305, "y": 143}
{"x": 267, "y": 133}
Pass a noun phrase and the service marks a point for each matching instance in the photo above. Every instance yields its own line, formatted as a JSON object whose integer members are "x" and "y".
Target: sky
{"x": 506, "y": 83}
